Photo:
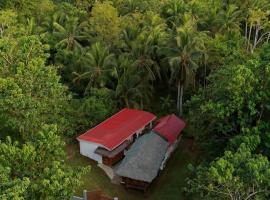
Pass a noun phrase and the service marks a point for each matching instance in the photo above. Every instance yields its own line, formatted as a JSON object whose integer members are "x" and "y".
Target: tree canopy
{"x": 66, "y": 65}
{"x": 36, "y": 168}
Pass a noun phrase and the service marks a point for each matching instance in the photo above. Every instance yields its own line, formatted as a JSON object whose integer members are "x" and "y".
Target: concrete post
{"x": 84, "y": 195}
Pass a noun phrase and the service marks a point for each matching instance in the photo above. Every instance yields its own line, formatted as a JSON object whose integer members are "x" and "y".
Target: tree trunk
{"x": 126, "y": 102}
{"x": 246, "y": 32}
{"x": 178, "y": 95}
{"x": 255, "y": 38}
{"x": 249, "y": 35}
{"x": 181, "y": 99}
{"x": 268, "y": 37}
{"x": 204, "y": 81}
{"x": 1, "y": 32}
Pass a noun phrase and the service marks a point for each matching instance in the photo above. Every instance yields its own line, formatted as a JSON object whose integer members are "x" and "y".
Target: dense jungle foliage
{"x": 66, "y": 65}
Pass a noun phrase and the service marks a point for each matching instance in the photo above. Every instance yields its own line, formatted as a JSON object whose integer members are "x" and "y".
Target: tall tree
{"x": 105, "y": 24}
{"x": 31, "y": 92}
{"x": 173, "y": 11}
{"x": 228, "y": 20}
{"x": 8, "y": 22}
{"x": 100, "y": 63}
{"x": 133, "y": 87}
{"x": 38, "y": 168}
{"x": 188, "y": 46}
{"x": 99, "y": 104}
{"x": 254, "y": 15}
{"x": 239, "y": 175}
{"x": 69, "y": 35}
{"x": 146, "y": 47}
{"x": 12, "y": 188}
{"x": 235, "y": 98}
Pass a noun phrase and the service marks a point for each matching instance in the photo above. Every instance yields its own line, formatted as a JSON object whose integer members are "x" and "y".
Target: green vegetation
{"x": 36, "y": 169}
{"x": 66, "y": 65}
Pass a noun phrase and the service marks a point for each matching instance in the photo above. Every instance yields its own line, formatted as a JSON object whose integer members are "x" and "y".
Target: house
{"x": 142, "y": 162}
{"x": 148, "y": 155}
{"x": 106, "y": 143}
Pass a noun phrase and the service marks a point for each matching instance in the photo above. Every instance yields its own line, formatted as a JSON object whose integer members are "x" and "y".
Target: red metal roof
{"x": 170, "y": 127}
{"x": 116, "y": 129}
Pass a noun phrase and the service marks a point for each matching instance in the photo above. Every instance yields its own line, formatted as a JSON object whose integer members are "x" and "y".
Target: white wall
{"x": 170, "y": 150}
{"x": 88, "y": 149}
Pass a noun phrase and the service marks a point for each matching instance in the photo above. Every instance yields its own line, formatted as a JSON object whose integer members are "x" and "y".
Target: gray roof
{"x": 144, "y": 158}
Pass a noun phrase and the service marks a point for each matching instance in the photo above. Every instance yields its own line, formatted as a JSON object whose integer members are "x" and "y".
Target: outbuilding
{"x": 170, "y": 128}
{"x": 148, "y": 155}
{"x": 142, "y": 162}
{"x": 106, "y": 143}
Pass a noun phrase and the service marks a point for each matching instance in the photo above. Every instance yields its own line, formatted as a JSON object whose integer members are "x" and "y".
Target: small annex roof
{"x": 142, "y": 162}
{"x": 170, "y": 127}
{"x": 116, "y": 129}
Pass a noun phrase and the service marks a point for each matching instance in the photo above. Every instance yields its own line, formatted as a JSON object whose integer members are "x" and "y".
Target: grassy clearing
{"x": 167, "y": 186}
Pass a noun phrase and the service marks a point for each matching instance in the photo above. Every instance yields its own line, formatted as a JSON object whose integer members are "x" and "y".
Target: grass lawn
{"x": 167, "y": 186}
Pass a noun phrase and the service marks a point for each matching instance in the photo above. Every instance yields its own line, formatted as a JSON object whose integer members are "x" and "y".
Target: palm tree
{"x": 133, "y": 87}
{"x": 144, "y": 45}
{"x": 229, "y": 20}
{"x": 144, "y": 61}
{"x": 130, "y": 6}
{"x": 173, "y": 11}
{"x": 140, "y": 48}
{"x": 100, "y": 65}
{"x": 73, "y": 61}
{"x": 69, "y": 34}
{"x": 129, "y": 36}
{"x": 255, "y": 15}
{"x": 187, "y": 49}
{"x": 206, "y": 12}
{"x": 259, "y": 22}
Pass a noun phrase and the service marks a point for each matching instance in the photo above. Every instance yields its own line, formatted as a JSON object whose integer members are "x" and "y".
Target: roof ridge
{"x": 116, "y": 129}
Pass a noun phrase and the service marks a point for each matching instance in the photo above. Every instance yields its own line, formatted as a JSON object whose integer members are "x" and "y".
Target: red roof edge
{"x": 170, "y": 127}
{"x": 96, "y": 133}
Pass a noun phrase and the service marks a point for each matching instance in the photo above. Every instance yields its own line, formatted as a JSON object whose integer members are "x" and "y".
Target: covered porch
{"x": 110, "y": 158}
